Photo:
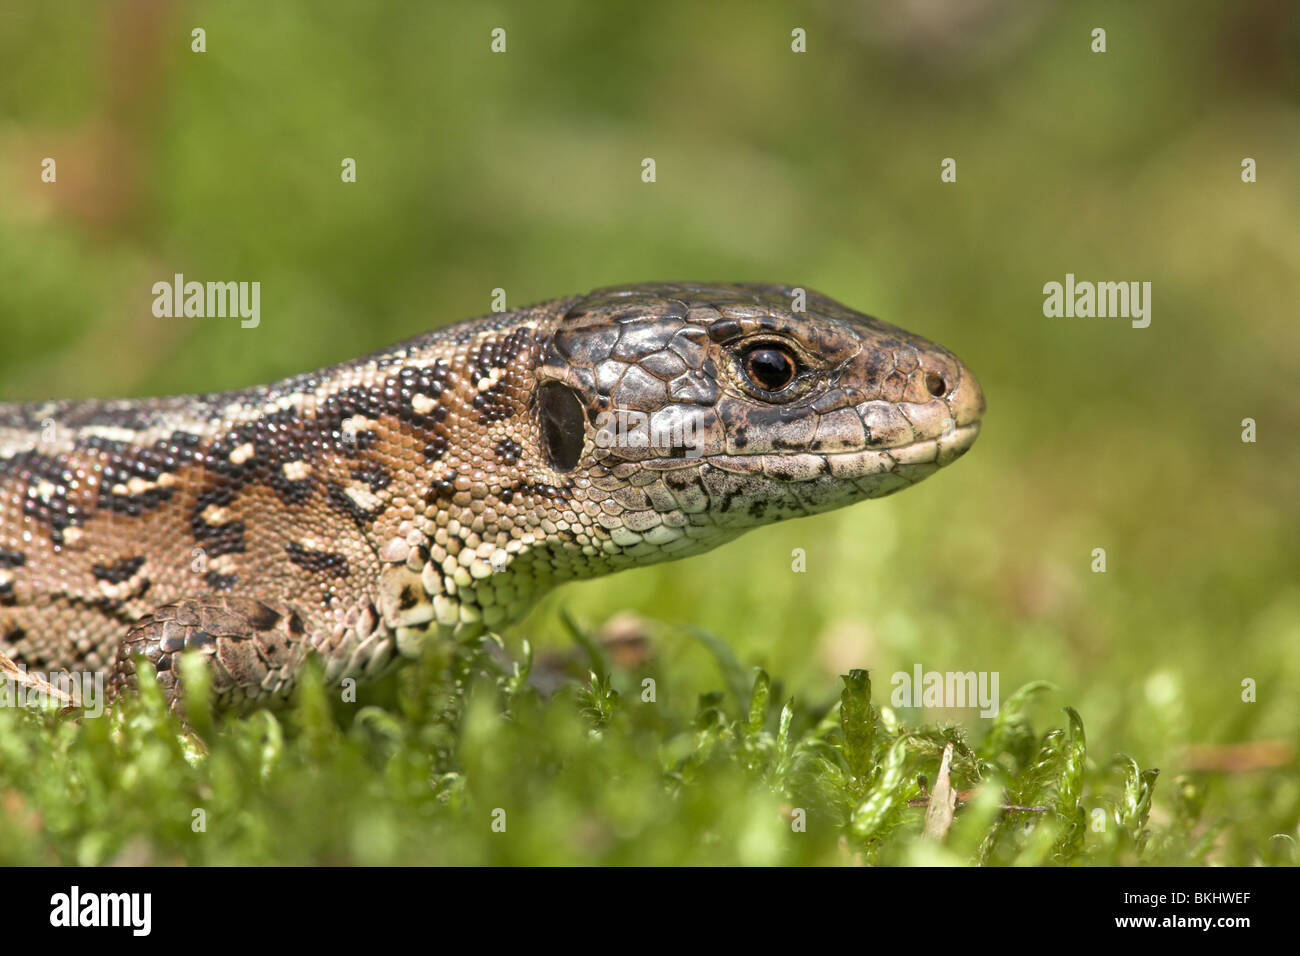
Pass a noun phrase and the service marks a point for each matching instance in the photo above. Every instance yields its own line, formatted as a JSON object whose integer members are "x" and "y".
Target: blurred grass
{"x": 523, "y": 171}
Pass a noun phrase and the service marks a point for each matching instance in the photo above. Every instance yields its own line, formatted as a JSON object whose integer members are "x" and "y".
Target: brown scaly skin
{"x": 438, "y": 487}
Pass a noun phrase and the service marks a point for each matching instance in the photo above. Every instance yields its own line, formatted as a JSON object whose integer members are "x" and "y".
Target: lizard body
{"x": 437, "y": 487}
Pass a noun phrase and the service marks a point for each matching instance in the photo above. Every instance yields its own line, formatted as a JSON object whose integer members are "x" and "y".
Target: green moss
{"x": 469, "y": 763}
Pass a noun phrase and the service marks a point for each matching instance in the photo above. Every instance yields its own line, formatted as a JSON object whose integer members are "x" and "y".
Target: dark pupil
{"x": 771, "y": 369}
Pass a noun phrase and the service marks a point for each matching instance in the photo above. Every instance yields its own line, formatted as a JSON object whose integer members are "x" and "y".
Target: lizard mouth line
{"x": 919, "y": 457}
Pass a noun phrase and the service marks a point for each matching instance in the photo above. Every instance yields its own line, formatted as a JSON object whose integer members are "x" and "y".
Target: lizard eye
{"x": 770, "y": 366}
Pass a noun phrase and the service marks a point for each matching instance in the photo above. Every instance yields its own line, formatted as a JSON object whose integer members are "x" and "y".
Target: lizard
{"x": 436, "y": 488}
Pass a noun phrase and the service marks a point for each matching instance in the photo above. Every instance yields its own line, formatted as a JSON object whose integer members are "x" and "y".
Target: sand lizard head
{"x": 695, "y": 411}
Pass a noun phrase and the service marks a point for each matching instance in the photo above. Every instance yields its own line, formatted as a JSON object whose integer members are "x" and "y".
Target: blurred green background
{"x": 522, "y": 170}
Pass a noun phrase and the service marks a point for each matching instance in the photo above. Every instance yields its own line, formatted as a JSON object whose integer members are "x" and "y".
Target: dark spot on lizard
{"x": 46, "y": 481}
{"x": 492, "y": 405}
{"x": 436, "y": 448}
{"x": 119, "y": 571}
{"x": 291, "y": 491}
{"x": 497, "y": 352}
{"x": 318, "y": 562}
{"x": 782, "y": 444}
{"x": 262, "y": 618}
{"x": 442, "y": 488}
{"x": 221, "y": 582}
{"x": 375, "y": 477}
{"x": 721, "y": 330}
{"x": 216, "y": 539}
{"x": 122, "y": 463}
{"x": 560, "y": 414}
{"x": 199, "y": 638}
{"x": 541, "y": 490}
{"x": 410, "y": 597}
{"x": 677, "y": 481}
{"x": 508, "y": 450}
{"x": 341, "y": 501}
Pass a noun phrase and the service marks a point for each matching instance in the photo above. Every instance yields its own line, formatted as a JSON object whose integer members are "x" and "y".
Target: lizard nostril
{"x": 935, "y": 384}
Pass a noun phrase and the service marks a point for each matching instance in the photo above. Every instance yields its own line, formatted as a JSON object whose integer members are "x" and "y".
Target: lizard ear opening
{"x": 563, "y": 425}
